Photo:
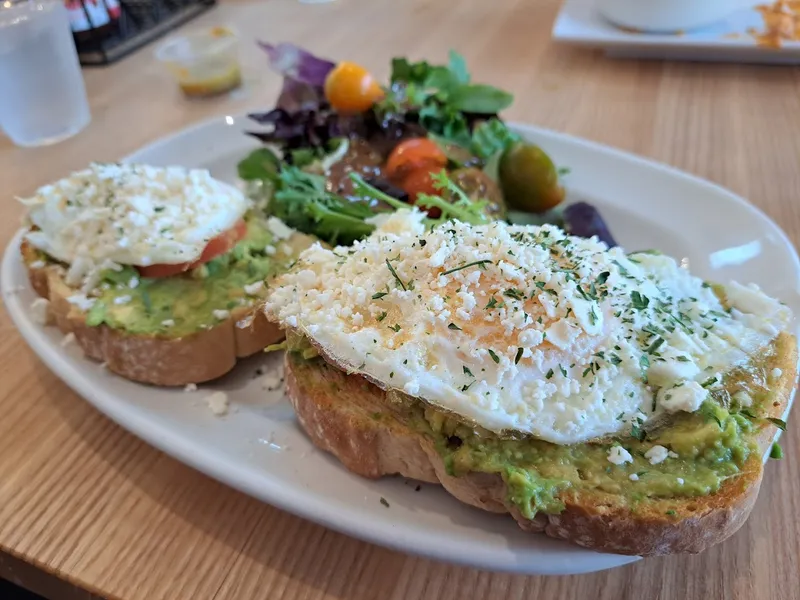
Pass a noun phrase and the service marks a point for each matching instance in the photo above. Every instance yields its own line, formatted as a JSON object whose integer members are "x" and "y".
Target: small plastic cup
{"x": 204, "y": 63}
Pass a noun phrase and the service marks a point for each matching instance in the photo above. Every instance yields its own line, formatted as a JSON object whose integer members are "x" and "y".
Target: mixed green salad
{"x": 339, "y": 147}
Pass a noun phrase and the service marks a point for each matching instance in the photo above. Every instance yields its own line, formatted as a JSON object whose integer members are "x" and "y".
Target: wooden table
{"x": 96, "y": 509}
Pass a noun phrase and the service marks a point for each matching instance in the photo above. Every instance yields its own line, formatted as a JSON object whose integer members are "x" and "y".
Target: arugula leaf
{"x": 404, "y": 71}
{"x": 302, "y": 202}
{"x": 261, "y": 164}
{"x": 480, "y": 98}
{"x": 458, "y": 67}
{"x": 462, "y": 208}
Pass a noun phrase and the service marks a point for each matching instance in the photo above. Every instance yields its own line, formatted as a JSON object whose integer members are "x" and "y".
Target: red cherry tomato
{"x": 351, "y": 88}
{"x": 420, "y": 181}
{"x": 217, "y": 246}
{"x": 412, "y": 155}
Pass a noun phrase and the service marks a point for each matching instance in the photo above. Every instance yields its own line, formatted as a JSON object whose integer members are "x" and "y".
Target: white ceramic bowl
{"x": 669, "y": 16}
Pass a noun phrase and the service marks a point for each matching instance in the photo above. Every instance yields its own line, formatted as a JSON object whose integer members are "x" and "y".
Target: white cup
{"x": 42, "y": 94}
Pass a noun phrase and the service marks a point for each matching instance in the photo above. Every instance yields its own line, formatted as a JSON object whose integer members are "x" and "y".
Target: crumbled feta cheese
{"x": 38, "y": 264}
{"x": 776, "y": 373}
{"x": 122, "y": 299}
{"x": 633, "y": 477}
{"x": 133, "y": 283}
{"x": 40, "y": 310}
{"x": 68, "y": 339}
{"x": 687, "y": 396}
{"x": 271, "y": 381}
{"x": 221, "y": 314}
{"x": 190, "y": 387}
{"x": 617, "y": 455}
{"x": 567, "y": 338}
{"x": 168, "y": 323}
{"x": 81, "y": 301}
{"x": 656, "y": 455}
{"x": 278, "y": 229}
{"x": 218, "y": 403}
{"x": 254, "y": 288}
{"x": 112, "y": 214}
{"x": 246, "y": 322}
{"x": 742, "y": 398}
{"x": 270, "y": 250}
{"x": 680, "y": 480}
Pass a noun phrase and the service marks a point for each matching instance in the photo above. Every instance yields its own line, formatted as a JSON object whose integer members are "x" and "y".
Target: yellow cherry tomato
{"x": 351, "y": 88}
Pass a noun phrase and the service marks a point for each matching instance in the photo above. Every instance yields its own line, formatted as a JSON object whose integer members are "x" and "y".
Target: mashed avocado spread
{"x": 182, "y": 304}
{"x": 706, "y": 447}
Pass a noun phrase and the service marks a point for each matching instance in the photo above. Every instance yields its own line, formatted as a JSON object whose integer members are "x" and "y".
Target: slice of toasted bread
{"x": 155, "y": 359}
{"x": 338, "y": 412}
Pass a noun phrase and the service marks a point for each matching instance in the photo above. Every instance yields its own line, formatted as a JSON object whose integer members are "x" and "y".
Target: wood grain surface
{"x": 85, "y": 501}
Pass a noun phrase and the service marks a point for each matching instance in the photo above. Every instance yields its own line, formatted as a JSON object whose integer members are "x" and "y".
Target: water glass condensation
{"x": 42, "y": 94}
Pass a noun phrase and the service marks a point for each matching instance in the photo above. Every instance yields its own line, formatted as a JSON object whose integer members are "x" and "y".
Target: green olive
{"x": 529, "y": 179}
{"x": 479, "y": 186}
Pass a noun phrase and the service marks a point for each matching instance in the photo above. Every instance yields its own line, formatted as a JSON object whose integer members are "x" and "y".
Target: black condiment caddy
{"x": 139, "y": 23}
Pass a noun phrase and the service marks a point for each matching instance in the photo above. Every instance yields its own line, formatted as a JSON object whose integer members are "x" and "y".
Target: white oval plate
{"x": 258, "y": 447}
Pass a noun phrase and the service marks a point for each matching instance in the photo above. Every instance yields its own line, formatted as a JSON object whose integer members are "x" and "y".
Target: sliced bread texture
{"x": 161, "y": 358}
{"x": 374, "y": 435}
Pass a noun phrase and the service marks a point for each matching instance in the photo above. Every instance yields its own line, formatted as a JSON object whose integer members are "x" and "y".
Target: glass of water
{"x": 42, "y": 94}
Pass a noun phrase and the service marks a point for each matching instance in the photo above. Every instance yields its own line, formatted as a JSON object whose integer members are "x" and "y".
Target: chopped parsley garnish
{"x": 494, "y": 356}
{"x": 382, "y": 316}
{"x": 454, "y": 327}
{"x": 518, "y": 357}
{"x": 637, "y": 432}
{"x": 492, "y": 302}
{"x": 549, "y": 374}
{"x": 396, "y": 278}
{"x": 395, "y": 327}
{"x": 472, "y": 264}
{"x": 655, "y": 345}
{"x": 709, "y": 382}
{"x": 563, "y": 370}
{"x": 779, "y": 423}
{"x": 639, "y": 301}
{"x": 514, "y": 293}
{"x": 379, "y": 295}
{"x": 384, "y": 502}
{"x": 644, "y": 364}
{"x": 468, "y": 372}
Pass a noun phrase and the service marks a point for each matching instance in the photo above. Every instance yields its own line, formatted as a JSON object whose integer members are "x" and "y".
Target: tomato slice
{"x": 411, "y": 155}
{"x": 217, "y": 246}
{"x": 420, "y": 181}
{"x": 351, "y": 88}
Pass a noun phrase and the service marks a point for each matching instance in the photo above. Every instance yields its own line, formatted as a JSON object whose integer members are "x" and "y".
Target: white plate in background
{"x": 580, "y": 24}
{"x": 258, "y": 447}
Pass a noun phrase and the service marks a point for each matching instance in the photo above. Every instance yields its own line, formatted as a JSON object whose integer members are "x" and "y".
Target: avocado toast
{"x": 166, "y": 323}
{"x": 629, "y": 408}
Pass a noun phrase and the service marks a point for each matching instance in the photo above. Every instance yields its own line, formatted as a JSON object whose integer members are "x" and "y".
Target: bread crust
{"x": 337, "y": 412}
{"x": 157, "y": 360}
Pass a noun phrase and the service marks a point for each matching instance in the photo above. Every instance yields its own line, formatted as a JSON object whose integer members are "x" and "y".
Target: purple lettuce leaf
{"x": 583, "y": 219}
{"x": 293, "y": 62}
